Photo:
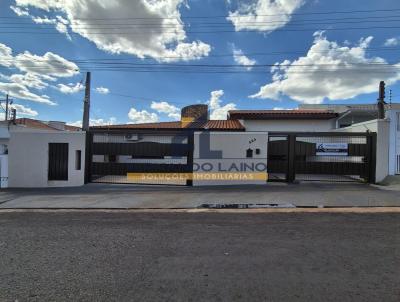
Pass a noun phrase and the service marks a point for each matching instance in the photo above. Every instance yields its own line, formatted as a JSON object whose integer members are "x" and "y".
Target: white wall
{"x": 289, "y": 125}
{"x": 28, "y": 158}
{"x": 4, "y": 171}
{"x": 233, "y": 146}
{"x": 382, "y": 128}
{"x": 394, "y": 147}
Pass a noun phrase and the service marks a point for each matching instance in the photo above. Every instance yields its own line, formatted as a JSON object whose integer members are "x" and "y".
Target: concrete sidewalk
{"x": 101, "y": 196}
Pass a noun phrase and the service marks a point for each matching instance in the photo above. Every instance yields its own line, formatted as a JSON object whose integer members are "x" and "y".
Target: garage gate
{"x": 322, "y": 157}
{"x": 124, "y": 157}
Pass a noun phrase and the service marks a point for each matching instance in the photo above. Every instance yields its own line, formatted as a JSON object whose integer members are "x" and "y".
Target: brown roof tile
{"x": 296, "y": 114}
{"x": 212, "y": 125}
{"x": 37, "y": 124}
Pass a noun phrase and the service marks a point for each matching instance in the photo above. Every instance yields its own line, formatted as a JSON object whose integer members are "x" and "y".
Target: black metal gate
{"x": 327, "y": 156}
{"x": 157, "y": 157}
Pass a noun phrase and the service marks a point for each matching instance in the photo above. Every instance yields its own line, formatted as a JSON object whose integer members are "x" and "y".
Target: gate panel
{"x": 116, "y": 155}
{"x": 332, "y": 157}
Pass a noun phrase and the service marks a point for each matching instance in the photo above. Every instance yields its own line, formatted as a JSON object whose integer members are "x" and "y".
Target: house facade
{"x": 340, "y": 143}
{"x": 41, "y": 154}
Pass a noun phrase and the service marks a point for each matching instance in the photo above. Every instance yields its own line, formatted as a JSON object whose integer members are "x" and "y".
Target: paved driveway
{"x": 128, "y": 196}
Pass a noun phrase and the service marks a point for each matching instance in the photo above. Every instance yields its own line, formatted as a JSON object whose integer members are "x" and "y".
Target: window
{"x": 249, "y": 153}
{"x": 78, "y": 160}
{"x": 258, "y": 151}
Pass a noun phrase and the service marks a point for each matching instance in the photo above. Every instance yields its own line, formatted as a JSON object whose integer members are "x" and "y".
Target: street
{"x": 169, "y": 256}
{"x": 106, "y": 196}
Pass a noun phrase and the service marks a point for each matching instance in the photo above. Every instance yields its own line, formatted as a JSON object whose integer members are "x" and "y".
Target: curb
{"x": 359, "y": 210}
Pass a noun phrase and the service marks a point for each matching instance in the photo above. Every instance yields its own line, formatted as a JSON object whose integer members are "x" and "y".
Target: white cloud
{"x": 392, "y": 42}
{"x": 44, "y": 20}
{"x": 264, "y": 15}
{"x": 21, "y": 91}
{"x": 28, "y": 79}
{"x": 219, "y": 112}
{"x": 102, "y": 90}
{"x": 24, "y": 111}
{"x": 50, "y": 64}
{"x": 281, "y": 108}
{"x": 37, "y": 71}
{"x": 59, "y": 22}
{"x": 159, "y": 32}
{"x": 70, "y": 88}
{"x": 6, "y": 58}
{"x": 96, "y": 122}
{"x": 142, "y": 116}
{"x": 164, "y": 107}
{"x": 330, "y": 71}
{"x": 46, "y": 5}
{"x": 19, "y": 11}
{"x": 241, "y": 59}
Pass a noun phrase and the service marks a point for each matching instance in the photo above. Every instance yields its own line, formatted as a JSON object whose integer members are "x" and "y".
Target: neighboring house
{"x": 285, "y": 120}
{"x": 41, "y": 154}
{"x": 352, "y": 113}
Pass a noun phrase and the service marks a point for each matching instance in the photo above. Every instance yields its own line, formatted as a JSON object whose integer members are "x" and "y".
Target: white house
{"x": 41, "y": 154}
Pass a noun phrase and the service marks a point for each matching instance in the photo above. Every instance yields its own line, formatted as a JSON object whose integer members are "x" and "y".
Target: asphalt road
{"x": 125, "y": 256}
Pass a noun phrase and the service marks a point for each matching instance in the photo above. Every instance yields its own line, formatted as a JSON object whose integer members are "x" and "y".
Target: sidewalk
{"x": 101, "y": 196}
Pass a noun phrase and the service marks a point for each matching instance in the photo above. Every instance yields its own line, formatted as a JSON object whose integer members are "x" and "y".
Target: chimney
{"x": 381, "y": 100}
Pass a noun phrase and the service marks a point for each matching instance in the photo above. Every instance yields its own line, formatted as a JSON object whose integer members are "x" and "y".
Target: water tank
{"x": 194, "y": 113}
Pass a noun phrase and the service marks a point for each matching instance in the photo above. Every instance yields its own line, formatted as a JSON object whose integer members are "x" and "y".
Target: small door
{"x": 277, "y": 158}
{"x": 58, "y": 161}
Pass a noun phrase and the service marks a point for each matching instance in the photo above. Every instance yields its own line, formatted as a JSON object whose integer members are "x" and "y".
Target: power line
{"x": 283, "y": 52}
{"x": 161, "y": 28}
{"x": 205, "y": 32}
{"x": 144, "y": 98}
{"x": 231, "y": 16}
{"x": 158, "y": 25}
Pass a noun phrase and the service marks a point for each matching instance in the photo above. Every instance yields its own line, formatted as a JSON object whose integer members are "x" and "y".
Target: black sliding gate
{"x": 322, "y": 156}
{"x": 140, "y": 157}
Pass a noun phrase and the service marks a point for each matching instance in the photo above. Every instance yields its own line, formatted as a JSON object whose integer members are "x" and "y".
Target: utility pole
{"x": 85, "y": 127}
{"x": 381, "y": 100}
{"x": 86, "y": 104}
{"x": 6, "y": 119}
{"x": 8, "y": 102}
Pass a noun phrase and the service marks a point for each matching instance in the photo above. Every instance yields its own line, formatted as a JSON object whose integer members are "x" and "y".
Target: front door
{"x": 58, "y": 161}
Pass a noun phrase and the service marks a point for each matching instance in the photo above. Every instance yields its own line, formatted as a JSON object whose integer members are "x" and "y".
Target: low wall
{"x": 226, "y": 154}
{"x": 382, "y": 128}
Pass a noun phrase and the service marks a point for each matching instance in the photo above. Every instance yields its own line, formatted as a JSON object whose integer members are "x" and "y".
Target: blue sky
{"x": 157, "y": 96}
